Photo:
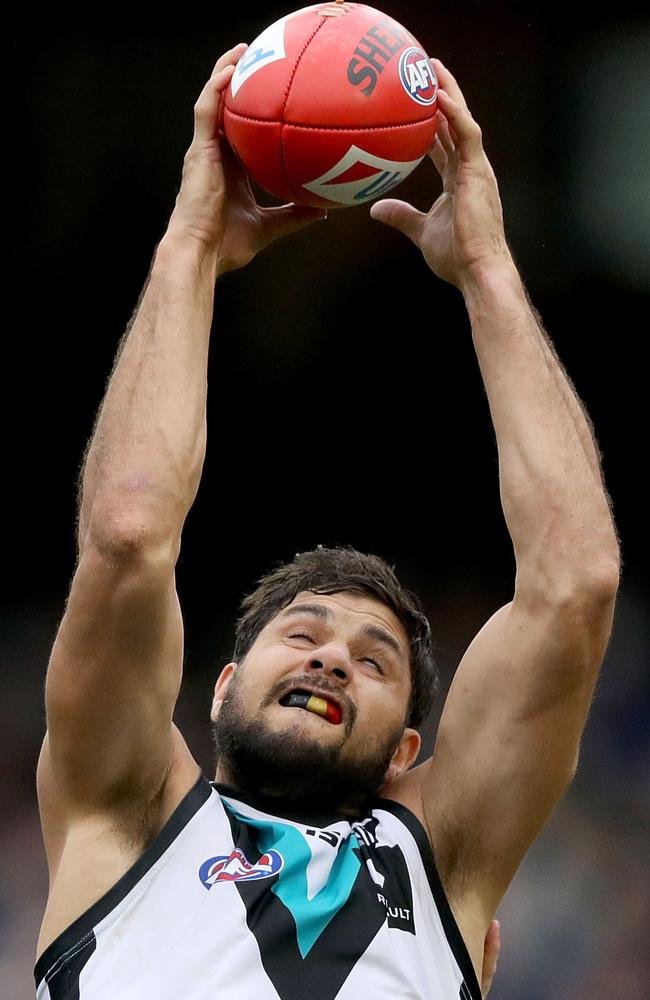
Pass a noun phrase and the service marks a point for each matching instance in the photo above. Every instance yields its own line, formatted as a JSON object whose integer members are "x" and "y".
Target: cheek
{"x": 378, "y": 720}
{"x": 242, "y": 690}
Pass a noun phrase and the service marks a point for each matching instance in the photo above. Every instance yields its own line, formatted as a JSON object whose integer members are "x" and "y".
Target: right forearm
{"x": 144, "y": 461}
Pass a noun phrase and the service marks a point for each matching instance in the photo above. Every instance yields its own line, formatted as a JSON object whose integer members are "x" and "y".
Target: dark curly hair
{"x": 328, "y": 571}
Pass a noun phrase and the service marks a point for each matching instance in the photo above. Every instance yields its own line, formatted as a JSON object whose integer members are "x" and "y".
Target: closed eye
{"x": 364, "y": 659}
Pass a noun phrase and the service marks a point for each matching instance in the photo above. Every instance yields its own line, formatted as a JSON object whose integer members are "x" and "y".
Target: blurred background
{"x": 345, "y": 403}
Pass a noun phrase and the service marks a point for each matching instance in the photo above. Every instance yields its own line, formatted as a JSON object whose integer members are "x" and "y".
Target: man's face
{"x": 349, "y": 654}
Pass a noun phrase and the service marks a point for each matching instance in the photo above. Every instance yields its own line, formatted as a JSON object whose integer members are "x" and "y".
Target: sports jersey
{"x": 233, "y": 902}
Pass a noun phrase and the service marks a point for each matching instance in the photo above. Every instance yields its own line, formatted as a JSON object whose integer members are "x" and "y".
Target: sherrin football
{"x": 332, "y": 105}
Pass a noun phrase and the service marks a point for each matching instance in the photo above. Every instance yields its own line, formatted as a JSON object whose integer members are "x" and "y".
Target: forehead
{"x": 350, "y": 610}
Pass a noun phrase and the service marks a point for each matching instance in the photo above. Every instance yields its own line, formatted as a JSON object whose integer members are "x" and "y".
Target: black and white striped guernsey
{"x": 231, "y": 902}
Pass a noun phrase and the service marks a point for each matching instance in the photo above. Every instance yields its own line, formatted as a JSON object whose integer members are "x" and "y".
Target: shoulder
{"x": 87, "y": 856}
{"x": 407, "y": 791}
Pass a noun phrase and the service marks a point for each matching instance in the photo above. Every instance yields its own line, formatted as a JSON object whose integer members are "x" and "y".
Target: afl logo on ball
{"x": 417, "y": 76}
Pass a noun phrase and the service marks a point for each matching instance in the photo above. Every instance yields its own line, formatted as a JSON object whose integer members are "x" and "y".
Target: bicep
{"x": 509, "y": 735}
{"x": 113, "y": 678}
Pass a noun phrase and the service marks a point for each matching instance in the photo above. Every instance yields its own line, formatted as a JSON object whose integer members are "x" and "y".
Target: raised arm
{"x": 509, "y": 735}
{"x": 115, "y": 668}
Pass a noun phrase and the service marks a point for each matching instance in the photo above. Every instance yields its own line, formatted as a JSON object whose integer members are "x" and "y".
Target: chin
{"x": 298, "y": 761}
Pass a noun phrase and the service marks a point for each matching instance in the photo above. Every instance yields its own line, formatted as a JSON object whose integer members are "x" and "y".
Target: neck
{"x": 280, "y": 800}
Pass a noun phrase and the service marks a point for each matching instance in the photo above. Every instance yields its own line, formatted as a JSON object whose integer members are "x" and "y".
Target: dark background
{"x": 345, "y": 401}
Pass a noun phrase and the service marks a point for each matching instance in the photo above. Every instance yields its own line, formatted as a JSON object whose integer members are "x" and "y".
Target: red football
{"x": 332, "y": 105}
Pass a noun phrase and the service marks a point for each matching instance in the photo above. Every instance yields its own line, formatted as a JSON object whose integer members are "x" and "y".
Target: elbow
{"x": 598, "y": 580}
{"x": 580, "y": 580}
{"x": 604, "y": 581}
{"x": 590, "y": 593}
{"x": 128, "y": 537}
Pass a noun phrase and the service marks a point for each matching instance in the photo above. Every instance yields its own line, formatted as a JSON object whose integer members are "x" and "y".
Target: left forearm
{"x": 554, "y": 499}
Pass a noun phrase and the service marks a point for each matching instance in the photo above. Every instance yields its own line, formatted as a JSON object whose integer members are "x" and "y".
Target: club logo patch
{"x": 235, "y": 867}
{"x": 417, "y": 76}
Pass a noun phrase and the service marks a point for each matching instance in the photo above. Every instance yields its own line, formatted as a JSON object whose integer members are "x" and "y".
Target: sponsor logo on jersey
{"x": 235, "y": 867}
{"x": 359, "y": 177}
{"x": 398, "y": 916}
{"x": 417, "y": 76}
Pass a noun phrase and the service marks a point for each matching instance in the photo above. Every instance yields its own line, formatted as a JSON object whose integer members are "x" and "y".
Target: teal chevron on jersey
{"x": 311, "y": 914}
{"x": 356, "y": 910}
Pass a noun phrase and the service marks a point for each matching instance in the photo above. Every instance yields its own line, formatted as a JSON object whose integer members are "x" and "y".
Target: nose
{"x": 331, "y": 660}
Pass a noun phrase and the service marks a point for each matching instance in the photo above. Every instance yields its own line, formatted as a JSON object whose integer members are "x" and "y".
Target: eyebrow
{"x": 368, "y": 631}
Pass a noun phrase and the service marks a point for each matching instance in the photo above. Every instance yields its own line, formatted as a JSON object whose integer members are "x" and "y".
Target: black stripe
{"x": 63, "y": 978}
{"x": 454, "y": 937}
{"x": 83, "y": 925}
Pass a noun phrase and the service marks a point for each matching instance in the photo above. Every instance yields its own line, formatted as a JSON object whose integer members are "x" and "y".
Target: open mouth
{"x": 313, "y": 703}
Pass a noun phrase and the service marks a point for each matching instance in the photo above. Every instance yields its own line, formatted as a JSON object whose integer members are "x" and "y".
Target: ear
{"x": 404, "y": 756}
{"x": 220, "y": 689}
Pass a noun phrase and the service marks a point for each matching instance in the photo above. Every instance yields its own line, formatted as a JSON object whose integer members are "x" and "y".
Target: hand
{"x": 215, "y": 204}
{"x": 463, "y": 231}
{"x": 491, "y": 950}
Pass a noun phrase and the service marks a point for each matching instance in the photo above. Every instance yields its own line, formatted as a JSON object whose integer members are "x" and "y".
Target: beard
{"x": 294, "y": 768}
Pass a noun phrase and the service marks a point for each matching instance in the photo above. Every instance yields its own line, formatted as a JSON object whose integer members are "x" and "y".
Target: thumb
{"x": 287, "y": 219}
{"x": 400, "y": 215}
{"x": 492, "y": 949}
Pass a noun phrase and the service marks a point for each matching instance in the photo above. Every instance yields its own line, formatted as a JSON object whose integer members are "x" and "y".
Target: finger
{"x": 401, "y": 216}
{"x": 445, "y": 138}
{"x": 229, "y": 58}
{"x": 447, "y": 81}
{"x": 207, "y": 107}
{"x": 286, "y": 219}
{"x": 439, "y": 157}
{"x": 466, "y": 133}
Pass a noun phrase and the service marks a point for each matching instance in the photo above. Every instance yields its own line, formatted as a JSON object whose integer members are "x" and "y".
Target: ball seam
{"x": 330, "y": 128}
{"x": 289, "y": 181}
